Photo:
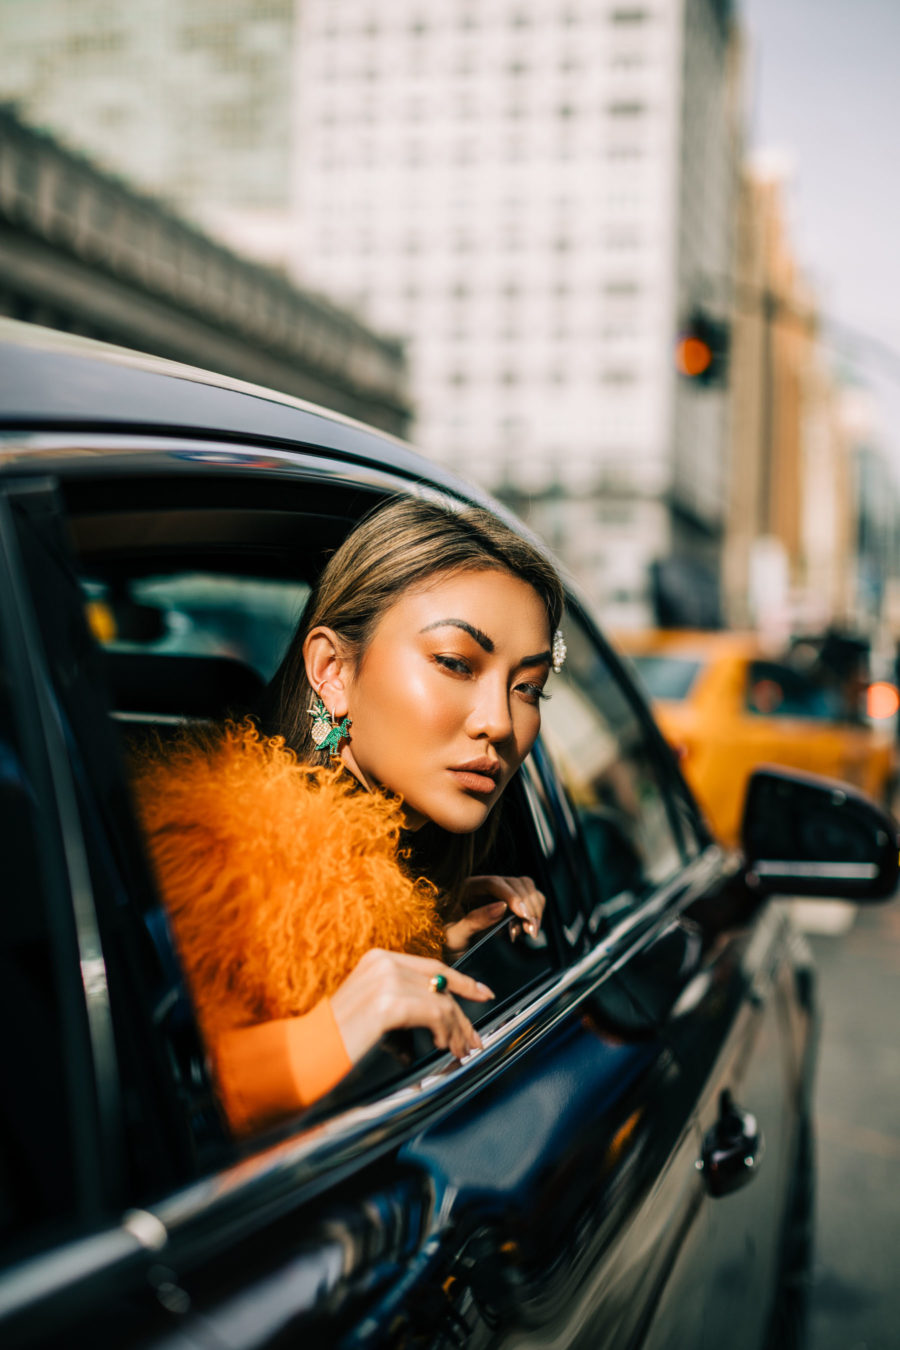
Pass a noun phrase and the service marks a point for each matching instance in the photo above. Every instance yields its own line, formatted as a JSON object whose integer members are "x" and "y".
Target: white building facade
{"x": 534, "y": 194}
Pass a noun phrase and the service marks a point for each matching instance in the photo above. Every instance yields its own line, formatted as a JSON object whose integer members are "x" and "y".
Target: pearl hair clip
{"x": 558, "y": 651}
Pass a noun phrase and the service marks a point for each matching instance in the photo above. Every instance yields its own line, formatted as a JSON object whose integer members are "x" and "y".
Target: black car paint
{"x": 546, "y": 1191}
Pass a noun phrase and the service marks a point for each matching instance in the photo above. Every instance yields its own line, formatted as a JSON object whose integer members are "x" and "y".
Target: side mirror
{"x": 805, "y": 835}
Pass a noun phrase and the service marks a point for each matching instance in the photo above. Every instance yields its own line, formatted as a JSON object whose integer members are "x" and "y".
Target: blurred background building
{"x": 812, "y": 532}
{"x": 536, "y": 192}
{"x": 187, "y": 99}
{"x": 536, "y": 198}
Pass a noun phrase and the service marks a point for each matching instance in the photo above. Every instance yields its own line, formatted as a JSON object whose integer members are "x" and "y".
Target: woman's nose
{"x": 491, "y": 718}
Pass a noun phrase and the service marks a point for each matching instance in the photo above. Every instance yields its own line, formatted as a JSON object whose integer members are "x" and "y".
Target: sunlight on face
{"x": 446, "y": 700}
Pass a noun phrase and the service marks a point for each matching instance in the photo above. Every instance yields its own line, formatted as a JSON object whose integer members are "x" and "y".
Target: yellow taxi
{"x": 727, "y": 704}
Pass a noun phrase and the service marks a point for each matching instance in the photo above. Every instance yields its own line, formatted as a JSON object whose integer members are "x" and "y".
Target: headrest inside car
{"x": 164, "y": 685}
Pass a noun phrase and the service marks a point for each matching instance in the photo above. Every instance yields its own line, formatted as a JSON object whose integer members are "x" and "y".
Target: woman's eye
{"x": 533, "y": 692}
{"x": 454, "y": 663}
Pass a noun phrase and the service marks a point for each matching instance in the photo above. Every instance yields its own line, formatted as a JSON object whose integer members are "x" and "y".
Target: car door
{"x": 77, "y": 1254}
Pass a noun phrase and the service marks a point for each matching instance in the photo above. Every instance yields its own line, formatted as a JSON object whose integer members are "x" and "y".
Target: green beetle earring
{"x": 327, "y": 733}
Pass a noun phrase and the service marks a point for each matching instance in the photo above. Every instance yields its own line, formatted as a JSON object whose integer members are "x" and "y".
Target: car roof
{"x": 61, "y": 381}
{"x": 53, "y": 381}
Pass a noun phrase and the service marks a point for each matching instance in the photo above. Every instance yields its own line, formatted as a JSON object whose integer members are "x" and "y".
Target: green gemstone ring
{"x": 438, "y": 983}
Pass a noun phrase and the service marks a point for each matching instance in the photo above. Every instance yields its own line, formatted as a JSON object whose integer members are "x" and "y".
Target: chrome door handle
{"x": 732, "y": 1150}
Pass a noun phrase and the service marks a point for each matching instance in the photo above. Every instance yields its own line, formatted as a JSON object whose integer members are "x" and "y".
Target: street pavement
{"x": 856, "y": 1276}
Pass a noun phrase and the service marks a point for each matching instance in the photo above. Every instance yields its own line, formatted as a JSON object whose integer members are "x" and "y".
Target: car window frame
{"x": 164, "y": 457}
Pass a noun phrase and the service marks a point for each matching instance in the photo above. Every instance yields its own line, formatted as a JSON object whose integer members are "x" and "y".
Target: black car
{"x": 627, "y": 1163}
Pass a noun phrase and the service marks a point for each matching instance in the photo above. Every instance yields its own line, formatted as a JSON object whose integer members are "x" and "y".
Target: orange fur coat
{"x": 277, "y": 877}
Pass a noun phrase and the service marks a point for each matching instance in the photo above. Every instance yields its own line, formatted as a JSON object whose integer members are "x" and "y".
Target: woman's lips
{"x": 477, "y": 777}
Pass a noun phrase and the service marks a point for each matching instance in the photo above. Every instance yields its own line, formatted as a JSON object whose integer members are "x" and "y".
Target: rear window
{"x": 248, "y": 619}
{"x": 668, "y": 677}
{"x": 775, "y": 690}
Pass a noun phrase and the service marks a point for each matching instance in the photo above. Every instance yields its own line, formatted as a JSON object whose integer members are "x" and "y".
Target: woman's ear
{"x": 327, "y": 668}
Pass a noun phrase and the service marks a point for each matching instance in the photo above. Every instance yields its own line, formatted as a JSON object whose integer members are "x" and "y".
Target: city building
{"x": 876, "y": 523}
{"x": 808, "y": 528}
{"x": 83, "y": 252}
{"x": 187, "y": 99}
{"x": 537, "y": 193}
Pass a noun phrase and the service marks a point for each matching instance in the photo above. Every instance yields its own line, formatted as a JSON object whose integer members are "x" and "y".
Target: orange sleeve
{"x": 275, "y": 1069}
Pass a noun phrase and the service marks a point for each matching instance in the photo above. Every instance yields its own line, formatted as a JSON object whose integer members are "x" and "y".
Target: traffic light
{"x": 701, "y": 353}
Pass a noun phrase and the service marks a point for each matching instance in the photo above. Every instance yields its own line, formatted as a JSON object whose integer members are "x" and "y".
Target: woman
{"x": 317, "y": 866}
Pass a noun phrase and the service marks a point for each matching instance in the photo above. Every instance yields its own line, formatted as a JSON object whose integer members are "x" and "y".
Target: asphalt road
{"x": 856, "y": 1276}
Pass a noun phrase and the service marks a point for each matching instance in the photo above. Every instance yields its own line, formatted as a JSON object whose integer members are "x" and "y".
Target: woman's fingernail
{"x": 478, "y": 1042}
{"x": 498, "y": 907}
{"x": 483, "y": 989}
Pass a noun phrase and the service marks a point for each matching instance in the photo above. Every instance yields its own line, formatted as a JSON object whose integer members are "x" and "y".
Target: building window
{"x": 626, "y": 108}
{"x": 628, "y": 60}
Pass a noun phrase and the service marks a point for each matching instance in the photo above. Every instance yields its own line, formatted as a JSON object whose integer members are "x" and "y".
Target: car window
{"x": 175, "y": 641}
{"x": 669, "y": 677}
{"x": 612, "y": 776}
{"x": 775, "y": 690}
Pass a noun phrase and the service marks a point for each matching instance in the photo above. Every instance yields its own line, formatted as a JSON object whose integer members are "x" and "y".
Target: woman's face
{"x": 445, "y": 703}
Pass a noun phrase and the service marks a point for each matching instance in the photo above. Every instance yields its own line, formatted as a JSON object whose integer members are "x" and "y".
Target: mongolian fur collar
{"x": 277, "y": 877}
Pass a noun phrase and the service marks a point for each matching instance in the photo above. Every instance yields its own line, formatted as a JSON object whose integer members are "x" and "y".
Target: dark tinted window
{"x": 37, "y": 1167}
{"x": 774, "y": 690}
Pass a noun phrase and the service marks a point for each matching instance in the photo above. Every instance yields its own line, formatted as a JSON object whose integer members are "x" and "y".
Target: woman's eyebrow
{"x": 481, "y": 638}
{"x": 540, "y": 659}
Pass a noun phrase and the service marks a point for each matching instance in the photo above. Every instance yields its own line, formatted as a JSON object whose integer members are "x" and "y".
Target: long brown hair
{"x": 401, "y": 544}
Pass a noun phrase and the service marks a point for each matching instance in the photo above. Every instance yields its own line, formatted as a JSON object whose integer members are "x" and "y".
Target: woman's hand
{"x": 390, "y": 990}
{"x": 518, "y": 894}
